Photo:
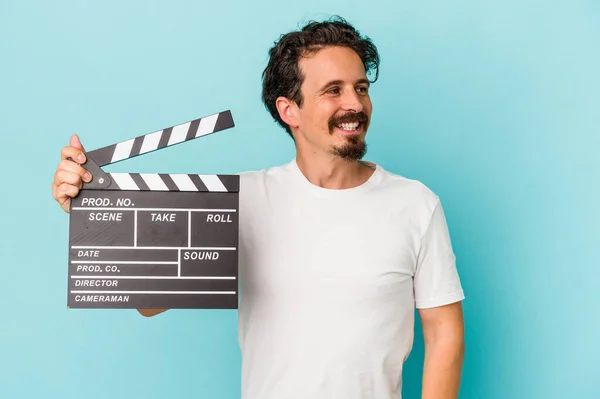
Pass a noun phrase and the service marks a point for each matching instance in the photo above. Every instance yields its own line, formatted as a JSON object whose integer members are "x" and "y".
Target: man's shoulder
{"x": 257, "y": 177}
{"x": 412, "y": 189}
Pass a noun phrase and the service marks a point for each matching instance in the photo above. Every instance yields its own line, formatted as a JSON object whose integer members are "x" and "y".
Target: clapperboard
{"x": 155, "y": 240}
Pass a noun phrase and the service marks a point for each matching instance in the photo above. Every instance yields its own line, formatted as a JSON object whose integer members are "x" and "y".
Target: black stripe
{"x": 193, "y": 129}
{"x": 231, "y": 182}
{"x": 198, "y": 183}
{"x": 139, "y": 181}
{"x": 137, "y": 146}
{"x": 103, "y": 156}
{"x": 168, "y": 182}
{"x": 164, "y": 138}
{"x": 224, "y": 121}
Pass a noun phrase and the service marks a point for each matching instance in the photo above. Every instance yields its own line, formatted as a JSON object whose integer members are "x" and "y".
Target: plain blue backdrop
{"x": 494, "y": 105}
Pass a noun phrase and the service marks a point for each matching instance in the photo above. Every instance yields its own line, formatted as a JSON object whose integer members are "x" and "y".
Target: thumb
{"x": 74, "y": 142}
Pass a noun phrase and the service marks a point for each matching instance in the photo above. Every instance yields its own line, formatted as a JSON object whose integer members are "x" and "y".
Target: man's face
{"x": 336, "y": 107}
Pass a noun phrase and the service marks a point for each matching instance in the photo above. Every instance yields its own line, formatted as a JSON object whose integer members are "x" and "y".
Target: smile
{"x": 349, "y": 127}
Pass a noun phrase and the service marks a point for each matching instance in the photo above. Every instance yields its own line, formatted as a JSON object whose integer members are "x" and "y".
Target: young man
{"x": 335, "y": 252}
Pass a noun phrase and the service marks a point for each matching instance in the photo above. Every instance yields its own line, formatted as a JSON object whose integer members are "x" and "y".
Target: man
{"x": 335, "y": 252}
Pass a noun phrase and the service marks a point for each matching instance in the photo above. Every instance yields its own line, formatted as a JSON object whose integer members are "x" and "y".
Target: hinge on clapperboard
{"x": 155, "y": 240}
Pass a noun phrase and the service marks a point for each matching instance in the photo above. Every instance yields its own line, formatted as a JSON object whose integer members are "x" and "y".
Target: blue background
{"x": 494, "y": 105}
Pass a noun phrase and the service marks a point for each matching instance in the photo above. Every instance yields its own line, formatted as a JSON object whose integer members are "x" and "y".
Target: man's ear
{"x": 288, "y": 111}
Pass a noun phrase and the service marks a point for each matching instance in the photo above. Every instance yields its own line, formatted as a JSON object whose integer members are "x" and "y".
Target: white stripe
{"x": 124, "y": 181}
{"x": 122, "y": 150}
{"x": 107, "y": 208}
{"x": 135, "y": 228}
{"x": 152, "y": 292}
{"x": 212, "y": 182}
{"x": 183, "y": 182}
{"x": 207, "y": 125}
{"x": 117, "y": 247}
{"x": 179, "y": 133}
{"x": 158, "y": 277}
{"x": 154, "y": 182}
{"x": 119, "y": 262}
{"x": 151, "y": 142}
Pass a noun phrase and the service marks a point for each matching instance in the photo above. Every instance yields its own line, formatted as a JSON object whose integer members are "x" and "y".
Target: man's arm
{"x": 443, "y": 332}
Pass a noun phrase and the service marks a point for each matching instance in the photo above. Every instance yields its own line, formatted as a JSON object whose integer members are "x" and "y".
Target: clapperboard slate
{"x": 155, "y": 240}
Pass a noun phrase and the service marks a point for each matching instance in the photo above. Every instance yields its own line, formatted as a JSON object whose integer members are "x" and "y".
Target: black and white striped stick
{"x": 173, "y": 182}
{"x": 162, "y": 138}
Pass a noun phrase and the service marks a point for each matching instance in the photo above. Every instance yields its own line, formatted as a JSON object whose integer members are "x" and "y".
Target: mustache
{"x": 348, "y": 117}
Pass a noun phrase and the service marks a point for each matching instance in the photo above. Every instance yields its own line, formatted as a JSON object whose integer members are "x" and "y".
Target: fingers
{"x": 68, "y": 180}
{"x": 74, "y": 150}
{"x": 63, "y": 194}
{"x": 69, "y": 176}
{"x": 64, "y": 176}
{"x": 65, "y": 191}
{"x": 66, "y": 185}
{"x": 74, "y": 153}
{"x": 75, "y": 143}
{"x": 72, "y": 167}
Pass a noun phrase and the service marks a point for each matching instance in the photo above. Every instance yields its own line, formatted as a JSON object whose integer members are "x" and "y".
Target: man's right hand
{"x": 69, "y": 176}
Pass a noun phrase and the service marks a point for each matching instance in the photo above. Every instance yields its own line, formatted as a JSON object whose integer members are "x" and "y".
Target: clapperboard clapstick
{"x": 155, "y": 240}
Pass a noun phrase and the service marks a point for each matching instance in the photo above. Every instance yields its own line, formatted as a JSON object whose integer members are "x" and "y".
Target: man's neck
{"x": 332, "y": 172}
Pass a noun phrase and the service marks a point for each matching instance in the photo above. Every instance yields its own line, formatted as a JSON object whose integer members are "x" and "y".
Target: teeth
{"x": 349, "y": 126}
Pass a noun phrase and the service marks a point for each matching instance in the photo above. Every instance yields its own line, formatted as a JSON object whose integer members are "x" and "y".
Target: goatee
{"x": 353, "y": 150}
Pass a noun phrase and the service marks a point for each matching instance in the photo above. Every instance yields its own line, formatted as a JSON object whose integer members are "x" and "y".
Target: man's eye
{"x": 334, "y": 90}
{"x": 363, "y": 89}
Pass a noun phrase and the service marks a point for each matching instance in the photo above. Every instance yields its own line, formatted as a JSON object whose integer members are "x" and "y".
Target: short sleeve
{"x": 436, "y": 279}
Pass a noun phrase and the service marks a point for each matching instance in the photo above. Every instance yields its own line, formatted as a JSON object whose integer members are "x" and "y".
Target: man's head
{"x": 316, "y": 86}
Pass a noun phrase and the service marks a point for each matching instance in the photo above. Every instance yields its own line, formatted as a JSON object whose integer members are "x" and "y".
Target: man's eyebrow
{"x": 339, "y": 82}
{"x": 331, "y": 83}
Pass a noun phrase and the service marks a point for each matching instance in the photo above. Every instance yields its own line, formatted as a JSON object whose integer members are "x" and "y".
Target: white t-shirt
{"x": 329, "y": 282}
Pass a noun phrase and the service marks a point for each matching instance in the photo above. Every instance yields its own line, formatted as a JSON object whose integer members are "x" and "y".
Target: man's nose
{"x": 351, "y": 101}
